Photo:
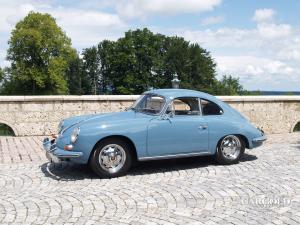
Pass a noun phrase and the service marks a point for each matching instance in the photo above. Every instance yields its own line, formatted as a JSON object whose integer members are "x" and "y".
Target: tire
{"x": 230, "y": 149}
{"x": 111, "y": 158}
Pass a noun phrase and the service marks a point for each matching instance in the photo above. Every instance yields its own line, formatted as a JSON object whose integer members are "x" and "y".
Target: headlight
{"x": 75, "y": 134}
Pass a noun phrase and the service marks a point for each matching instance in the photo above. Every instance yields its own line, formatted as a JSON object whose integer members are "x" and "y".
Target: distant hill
{"x": 275, "y": 92}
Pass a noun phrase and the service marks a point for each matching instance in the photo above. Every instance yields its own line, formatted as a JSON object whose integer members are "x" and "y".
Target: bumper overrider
{"x": 55, "y": 154}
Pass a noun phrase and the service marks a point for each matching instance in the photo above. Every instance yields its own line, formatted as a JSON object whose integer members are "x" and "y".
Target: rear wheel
{"x": 230, "y": 149}
{"x": 111, "y": 158}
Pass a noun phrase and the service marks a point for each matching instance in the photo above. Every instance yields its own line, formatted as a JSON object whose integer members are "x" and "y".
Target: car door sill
{"x": 181, "y": 155}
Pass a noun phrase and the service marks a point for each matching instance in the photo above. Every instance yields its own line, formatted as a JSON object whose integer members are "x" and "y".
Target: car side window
{"x": 185, "y": 106}
{"x": 210, "y": 108}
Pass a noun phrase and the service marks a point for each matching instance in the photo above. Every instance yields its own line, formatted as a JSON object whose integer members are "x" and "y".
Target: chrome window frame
{"x": 162, "y": 108}
{"x": 172, "y": 100}
{"x": 212, "y": 102}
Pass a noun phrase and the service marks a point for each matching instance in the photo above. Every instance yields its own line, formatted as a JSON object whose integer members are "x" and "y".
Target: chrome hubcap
{"x": 230, "y": 147}
{"x": 112, "y": 158}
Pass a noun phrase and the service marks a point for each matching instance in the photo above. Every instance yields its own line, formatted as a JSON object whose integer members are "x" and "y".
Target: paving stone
{"x": 262, "y": 189}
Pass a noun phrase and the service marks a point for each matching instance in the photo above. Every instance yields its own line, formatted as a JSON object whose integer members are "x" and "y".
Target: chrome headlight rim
{"x": 60, "y": 126}
{"x": 74, "y": 135}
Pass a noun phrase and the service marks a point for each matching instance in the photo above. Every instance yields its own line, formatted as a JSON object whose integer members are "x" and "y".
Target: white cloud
{"x": 78, "y": 18}
{"x": 86, "y": 27}
{"x": 254, "y": 71}
{"x": 11, "y": 12}
{"x": 264, "y": 15}
{"x": 212, "y": 20}
{"x": 144, "y": 8}
{"x": 271, "y": 30}
{"x": 266, "y": 57}
{"x": 253, "y": 65}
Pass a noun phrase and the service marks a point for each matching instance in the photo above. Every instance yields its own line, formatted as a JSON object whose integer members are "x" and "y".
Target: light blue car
{"x": 161, "y": 124}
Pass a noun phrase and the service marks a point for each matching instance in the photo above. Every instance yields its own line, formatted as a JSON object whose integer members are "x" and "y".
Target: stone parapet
{"x": 40, "y": 115}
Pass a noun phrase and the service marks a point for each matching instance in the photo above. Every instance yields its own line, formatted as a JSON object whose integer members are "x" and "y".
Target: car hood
{"x": 104, "y": 117}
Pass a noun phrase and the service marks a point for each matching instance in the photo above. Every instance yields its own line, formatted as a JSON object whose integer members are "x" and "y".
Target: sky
{"x": 257, "y": 41}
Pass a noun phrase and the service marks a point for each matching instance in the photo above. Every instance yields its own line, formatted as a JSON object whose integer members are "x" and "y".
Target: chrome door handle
{"x": 202, "y": 127}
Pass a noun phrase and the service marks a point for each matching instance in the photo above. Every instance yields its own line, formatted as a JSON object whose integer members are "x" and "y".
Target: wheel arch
{"x": 243, "y": 137}
{"x": 120, "y": 137}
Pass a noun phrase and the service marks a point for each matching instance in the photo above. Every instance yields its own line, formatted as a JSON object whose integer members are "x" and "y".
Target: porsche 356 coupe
{"x": 161, "y": 124}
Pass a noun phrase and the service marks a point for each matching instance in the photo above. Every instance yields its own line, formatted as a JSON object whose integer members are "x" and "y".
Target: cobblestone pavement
{"x": 264, "y": 188}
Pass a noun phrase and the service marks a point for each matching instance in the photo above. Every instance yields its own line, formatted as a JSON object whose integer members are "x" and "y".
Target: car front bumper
{"x": 55, "y": 154}
{"x": 258, "y": 141}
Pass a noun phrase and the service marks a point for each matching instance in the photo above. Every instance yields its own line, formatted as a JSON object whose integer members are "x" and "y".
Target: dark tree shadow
{"x": 69, "y": 172}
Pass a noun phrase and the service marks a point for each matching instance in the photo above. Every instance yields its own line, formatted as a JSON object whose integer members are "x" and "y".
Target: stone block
{"x": 31, "y": 116}
{"x": 50, "y": 128}
{"x": 68, "y": 106}
{"x": 30, "y": 129}
{"x": 32, "y": 107}
{"x": 14, "y": 107}
{"x": 3, "y": 107}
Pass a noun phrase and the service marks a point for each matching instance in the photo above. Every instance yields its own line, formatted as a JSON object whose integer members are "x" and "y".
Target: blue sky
{"x": 257, "y": 41}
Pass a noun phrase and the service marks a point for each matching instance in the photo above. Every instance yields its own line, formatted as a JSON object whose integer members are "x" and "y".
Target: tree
{"x": 137, "y": 62}
{"x": 78, "y": 82}
{"x": 1, "y": 75}
{"x": 229, "y": 85}
{"x": 40, "y": 54}
{"x": 142, "y": 60}
{"x": 91, "y": 66}
{"x": 4, "y": 80}
{"x": 1, "y": 79}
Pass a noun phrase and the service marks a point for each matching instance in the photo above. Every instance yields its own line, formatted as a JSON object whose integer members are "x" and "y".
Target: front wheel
{"x": 230, "y": 149}
{"x": 111, "y": 158}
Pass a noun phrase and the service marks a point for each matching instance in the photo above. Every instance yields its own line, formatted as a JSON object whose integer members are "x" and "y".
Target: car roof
{"x": 176, "y": 93}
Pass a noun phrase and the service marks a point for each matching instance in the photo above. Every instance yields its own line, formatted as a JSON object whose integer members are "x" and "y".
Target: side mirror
{"x": 171, "y": 114}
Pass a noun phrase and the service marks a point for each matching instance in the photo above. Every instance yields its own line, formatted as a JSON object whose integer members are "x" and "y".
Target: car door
{"x": 184, "y": 132}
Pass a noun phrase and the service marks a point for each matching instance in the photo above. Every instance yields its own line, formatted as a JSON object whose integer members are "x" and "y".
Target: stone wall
{"x": 40, "y": 115}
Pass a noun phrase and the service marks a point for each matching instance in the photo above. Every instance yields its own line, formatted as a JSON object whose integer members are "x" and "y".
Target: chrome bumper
{"x": 259, "y": 139}
{"x": 55, "y": 154}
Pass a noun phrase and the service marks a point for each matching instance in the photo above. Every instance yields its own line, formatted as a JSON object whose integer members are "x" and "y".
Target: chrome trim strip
{"x": 73, "y": 155}
{"x": 181, "y": 155}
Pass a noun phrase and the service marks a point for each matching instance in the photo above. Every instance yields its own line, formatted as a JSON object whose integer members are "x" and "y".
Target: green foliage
{"x": 1, "y": 78}
{"x": 6, "y": 130}
{"x": 297, "y": 127}
{"x": 289, "y": 93}
{"x": 229, "y": 85}
{"x": 43, "y": 62}
{"x": 40, "y": 54}
{"x": 91, "y": 66}
{"x": 78, "y": 83}
{"x": 142, "y": 60}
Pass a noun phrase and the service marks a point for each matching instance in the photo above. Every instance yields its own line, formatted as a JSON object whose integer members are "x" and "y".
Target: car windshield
{"x": 149, "y": 103}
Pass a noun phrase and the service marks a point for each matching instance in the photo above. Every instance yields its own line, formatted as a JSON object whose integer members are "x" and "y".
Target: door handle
{"x": 202, "y": 127}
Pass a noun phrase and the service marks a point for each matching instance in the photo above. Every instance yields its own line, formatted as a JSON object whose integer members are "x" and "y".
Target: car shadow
{"x": 67, "y": 171}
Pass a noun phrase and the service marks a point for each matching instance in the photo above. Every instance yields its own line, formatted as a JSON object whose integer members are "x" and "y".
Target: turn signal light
{"x": 68, "y": 147}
